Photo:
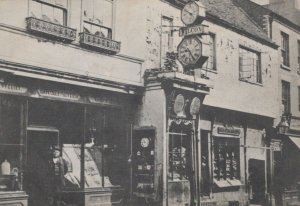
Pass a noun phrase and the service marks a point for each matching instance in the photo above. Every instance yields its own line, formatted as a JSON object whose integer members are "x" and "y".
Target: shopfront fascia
{"x": 171, "y": 106}
{"x": 91, "y": 126}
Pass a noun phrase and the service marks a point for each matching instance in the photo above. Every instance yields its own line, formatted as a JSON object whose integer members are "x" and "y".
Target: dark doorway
{"x": 257, "y": 181}
{"x": 38, "y": 154}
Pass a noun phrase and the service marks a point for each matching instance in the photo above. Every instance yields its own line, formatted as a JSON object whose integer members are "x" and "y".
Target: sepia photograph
{"x": 149, "y": 102}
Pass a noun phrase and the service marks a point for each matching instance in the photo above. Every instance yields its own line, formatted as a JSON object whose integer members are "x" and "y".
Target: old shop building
{"x": 68, "y": 78}
{"x": 280, "y": 21}
{"x": 71, "y": 74}
{"x": 216, "y": 156}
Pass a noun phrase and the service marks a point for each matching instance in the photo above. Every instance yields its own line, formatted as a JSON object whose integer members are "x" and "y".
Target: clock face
{"x": 189, "y": 13}
{"x": 145, "y": 142}
{"x": 189, "y": 50}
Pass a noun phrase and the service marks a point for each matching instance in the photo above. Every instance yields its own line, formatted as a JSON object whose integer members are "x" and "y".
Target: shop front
{"x": 171, "y": 109}
{"x": 91, "y": 127}
{"x": 285, "y": 162}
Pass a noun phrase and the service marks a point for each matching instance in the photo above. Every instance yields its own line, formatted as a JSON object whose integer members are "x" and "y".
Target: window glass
{"x": 179, "y": 152}
{"x": 226, "y": 158}
{"x": 249, "y": 65}
{"x": 97, "y": 30}
{"x": 285, "y": 49}
{"x": 49, "y": 12}
{"x": 166, "y": 37}
{"x": 11, "y": 144}
{"x": 99, "y": 12}
{"x": 211, "y": 61}
{"x": 286, "y": 97}
{"x": 105, "y": 148}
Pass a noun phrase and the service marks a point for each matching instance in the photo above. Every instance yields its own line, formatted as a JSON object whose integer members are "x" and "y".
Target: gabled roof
{"x": 228, "y": 14}
{"x": 256, "y": 12}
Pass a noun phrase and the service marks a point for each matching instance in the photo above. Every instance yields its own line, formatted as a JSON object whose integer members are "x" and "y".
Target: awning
{"x": 296, "y": 140}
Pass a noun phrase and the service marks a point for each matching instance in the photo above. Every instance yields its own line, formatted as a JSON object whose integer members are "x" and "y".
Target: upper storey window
{"x": 285, "y": 51}
{"x": 249, "y": 65}
{"x": 54, "y": 11}
{"x": 98, "y": 17}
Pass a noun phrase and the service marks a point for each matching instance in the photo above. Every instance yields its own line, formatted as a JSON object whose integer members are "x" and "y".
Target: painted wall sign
{"x": 193, "y": 30}
{"x": 195, "y": 106}
{"x": 60, "y": 94}
{"x": 229, "y": 131}
{"x": 179, "y": 104}
{"x": 12, "y": 88}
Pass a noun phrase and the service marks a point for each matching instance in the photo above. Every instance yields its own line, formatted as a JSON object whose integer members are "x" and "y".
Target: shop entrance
{"x": 39, "y": 142}
{"x": 257, "y": 181}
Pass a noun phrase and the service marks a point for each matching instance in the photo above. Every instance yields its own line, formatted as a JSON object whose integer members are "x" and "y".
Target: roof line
{"x": 254, "y": 37}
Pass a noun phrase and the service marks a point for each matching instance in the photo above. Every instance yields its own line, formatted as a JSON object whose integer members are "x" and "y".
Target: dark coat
{"x": 57, "y": 182}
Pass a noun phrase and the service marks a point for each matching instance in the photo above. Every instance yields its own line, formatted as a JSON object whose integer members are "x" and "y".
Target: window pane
{"x": 103, "y": 10}
{"x": 249, "y": 63}
{"x": 11, "y": 145}
{"x": 226, "y": 158}
{"x": 105, "y": 148}
{"x": 47, "y": 13}
{"x": 36, "y": 9}
{"x": 166, "y": 37}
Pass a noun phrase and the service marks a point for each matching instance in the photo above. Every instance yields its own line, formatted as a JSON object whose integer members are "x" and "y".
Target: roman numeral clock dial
{"x": 189, "y": 51}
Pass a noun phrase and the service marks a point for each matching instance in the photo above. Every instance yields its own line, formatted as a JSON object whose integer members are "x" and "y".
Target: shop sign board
{"x": 275, "y": 145}
{"x": 12, "y": 88}
{"x": 295, "y": 124}
{"x": 59, "y": 94}
{"x": 192, "y": 30}
{"x": 229, "y": 131}
{"x": 104, "y": 100}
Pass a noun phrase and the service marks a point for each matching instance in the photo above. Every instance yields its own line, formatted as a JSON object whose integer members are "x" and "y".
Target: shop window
{"x": 54, "y": 11}
{"x": 105, "y": 148}
{"x": 286, "y": 97}
{"x": 205, "y": 176}
{"x": 166, "y": 37}
{"x": 226, "y": 164}
{"x": 11, "y": 144}
{"x": 98, "y": 17}
{"x": 285, "y": 50}
{"x": 249, "y": 65}
{"x": 179, "y": 154}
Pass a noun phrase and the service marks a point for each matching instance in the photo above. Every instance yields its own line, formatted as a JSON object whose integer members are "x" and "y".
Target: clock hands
{"x": 187, "y": 49}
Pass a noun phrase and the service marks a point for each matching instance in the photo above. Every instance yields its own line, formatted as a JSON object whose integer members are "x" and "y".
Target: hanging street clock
{"x": 191, "y": 12}
{"x": 189, "y": 50}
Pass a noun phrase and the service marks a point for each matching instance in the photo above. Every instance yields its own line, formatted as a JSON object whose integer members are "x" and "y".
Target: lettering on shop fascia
{"x": 7, "y": 87}
{"x": 106, "y": 100}
{"x": 58, "y": 94}
{"x": 228, "y": 131}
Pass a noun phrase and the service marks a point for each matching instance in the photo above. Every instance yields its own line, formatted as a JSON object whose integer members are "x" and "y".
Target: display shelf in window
{"x": 143, "y": 161}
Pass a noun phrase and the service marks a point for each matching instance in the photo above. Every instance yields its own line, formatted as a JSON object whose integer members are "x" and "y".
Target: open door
{"x": 39, "y": 142}
{"x": 257, "y": 181}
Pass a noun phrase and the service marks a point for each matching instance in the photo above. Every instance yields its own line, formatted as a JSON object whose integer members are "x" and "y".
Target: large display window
{"x": 11, "y": 143}
{"x": 92, "y": 140}
{"x": 226, "y": 163}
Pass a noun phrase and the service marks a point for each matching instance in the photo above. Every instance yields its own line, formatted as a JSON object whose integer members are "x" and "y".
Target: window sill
{"x": 210, "y": 70}
{"x": 255, "y": 83}
{"x": 287, "y": 68}
{"x": 227, "y": 183}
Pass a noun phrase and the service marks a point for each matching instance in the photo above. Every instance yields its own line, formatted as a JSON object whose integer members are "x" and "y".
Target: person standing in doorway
{"x": 57, "y": 169}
